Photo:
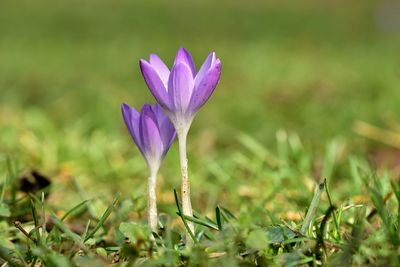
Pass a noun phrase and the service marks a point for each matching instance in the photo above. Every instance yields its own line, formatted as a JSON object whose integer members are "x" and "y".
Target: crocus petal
{"x": 155, "y": 84}
{"x": 168, "y": 134}
{"x": 160, "y": 67}
{"x": 210, "y": 60}
{"x": 150, "y": 135}
{"x": 167, "y": 130}
{"x": 159, "y": 114}
{"x": 180, "y": 86}
{"x": 131, "y": 118}
{"x": 206, "y": 87}
{"x": 184, "y": 56}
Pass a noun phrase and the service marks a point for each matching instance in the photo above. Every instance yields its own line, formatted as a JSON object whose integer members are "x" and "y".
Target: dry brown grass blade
{"x": 378, "y": 134}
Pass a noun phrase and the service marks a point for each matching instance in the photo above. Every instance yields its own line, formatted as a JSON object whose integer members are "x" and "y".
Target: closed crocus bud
{"x": 181, "y": 91}
{"x": 153, "y": 133}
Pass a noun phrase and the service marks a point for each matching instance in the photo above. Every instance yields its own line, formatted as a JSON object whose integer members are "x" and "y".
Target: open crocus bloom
{"x": 181, "y": 91}
{"x": 152, "y": 132}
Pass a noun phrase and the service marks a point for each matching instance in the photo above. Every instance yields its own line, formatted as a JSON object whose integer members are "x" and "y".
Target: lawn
{"x": 309, "y": 90}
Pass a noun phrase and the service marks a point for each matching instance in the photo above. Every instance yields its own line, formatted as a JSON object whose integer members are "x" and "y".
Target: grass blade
{"x": 57, "y": 222}
{"x": 320, "y": 233}
{"x": 18, "y": 225}
{"x": 6, "y": 255}
{"x": 36, "y": 232}
{"x": 336, "y": 223}
{"x": 218, "y": 218}
{"x": 86, "y": 229}
{"x": 228, "y": 214}
{"x": 103, "y": 218}
{"x": 74, "y": 209}
{"x": 184, "y": 219}
{"x": 313, "y": 208}
{"x": 43, "y": 215}
{"x": 198, "y": 221}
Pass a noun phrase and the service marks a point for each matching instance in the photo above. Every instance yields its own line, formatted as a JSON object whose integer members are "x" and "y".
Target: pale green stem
{"x": 185, "y": 189}
{"x": 152, "y": 202}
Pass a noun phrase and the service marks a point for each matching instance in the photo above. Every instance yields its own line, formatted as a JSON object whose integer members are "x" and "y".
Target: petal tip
{"x": 218, "y": 64}
{"x": 146, "y": 107}
{"x": 125, "y": 108}
{"x": 182, "y": 49}
{"x": 183, "y": 55}
{"x": 153, "y": 57}
{"x": 143, "y": 64}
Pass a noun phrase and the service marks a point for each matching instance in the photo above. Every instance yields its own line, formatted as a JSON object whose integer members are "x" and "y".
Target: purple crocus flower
{"x": 181, "y": 91}
{"x": 152, "y": 132}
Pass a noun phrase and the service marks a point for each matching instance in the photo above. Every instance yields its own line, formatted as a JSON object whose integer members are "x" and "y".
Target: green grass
{"x": 297, "y": 80}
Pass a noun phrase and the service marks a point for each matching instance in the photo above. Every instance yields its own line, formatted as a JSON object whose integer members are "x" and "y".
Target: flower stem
{"x": 185, "y": 189}
{"x": 152, "y": 203}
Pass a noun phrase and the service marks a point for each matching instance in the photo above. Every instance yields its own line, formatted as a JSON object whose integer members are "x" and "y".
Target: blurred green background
{"x": 309, "y": 67}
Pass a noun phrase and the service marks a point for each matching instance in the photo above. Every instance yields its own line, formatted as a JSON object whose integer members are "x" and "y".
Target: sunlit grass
{"x": 308, "y": 91}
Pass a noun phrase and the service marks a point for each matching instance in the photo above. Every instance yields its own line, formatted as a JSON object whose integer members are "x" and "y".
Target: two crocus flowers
{"x": 181, "y": 92}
